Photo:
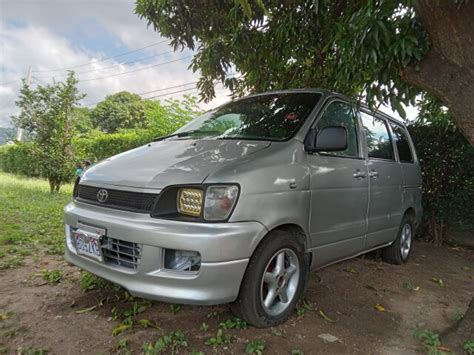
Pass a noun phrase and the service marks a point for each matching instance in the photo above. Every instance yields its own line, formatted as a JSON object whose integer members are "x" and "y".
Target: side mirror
{"x": 329, "y": 139}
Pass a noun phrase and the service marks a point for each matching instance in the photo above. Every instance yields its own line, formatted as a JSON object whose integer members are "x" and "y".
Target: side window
{"x": 378, "y": 139}
{"x": 341, "y": 114}
{"x": 401, "y": 141}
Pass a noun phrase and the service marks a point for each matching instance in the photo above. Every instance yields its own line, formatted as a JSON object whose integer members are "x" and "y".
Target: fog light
{"x": 182, "y": 260}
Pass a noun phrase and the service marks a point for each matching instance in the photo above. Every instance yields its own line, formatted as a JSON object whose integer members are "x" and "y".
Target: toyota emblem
{"x": 102, "y": 195}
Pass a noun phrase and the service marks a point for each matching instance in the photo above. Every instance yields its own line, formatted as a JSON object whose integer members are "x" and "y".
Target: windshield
{"x": 267, "y": 117}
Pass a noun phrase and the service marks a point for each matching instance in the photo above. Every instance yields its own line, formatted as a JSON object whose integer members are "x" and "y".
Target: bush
{"x": 100, "y": 145}
{"x": 448, "y": 177}
{"x": 18, "y": 159}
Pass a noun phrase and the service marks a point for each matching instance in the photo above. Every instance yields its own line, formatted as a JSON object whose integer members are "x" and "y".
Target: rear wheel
{"x": 399, "y": 251}
{"x": 273, "y": 282}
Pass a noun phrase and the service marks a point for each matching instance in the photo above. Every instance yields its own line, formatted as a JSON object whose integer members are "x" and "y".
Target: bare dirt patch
{"x": 369, "y": 306}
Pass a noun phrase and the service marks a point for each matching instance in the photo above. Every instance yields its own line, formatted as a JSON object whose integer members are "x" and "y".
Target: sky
{"x": 54, "y": 35}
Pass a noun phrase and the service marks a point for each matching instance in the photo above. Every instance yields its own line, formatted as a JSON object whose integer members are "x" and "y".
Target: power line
{"x": 100, "y": 60}
{"x": 116, "y": 65}
{"x": 39, "y": 81}
{"x": 135, "y": 70}
{"x": 156, "y": 90}
{"x": 11, "y": 82}
{"x": 163, "y": 89}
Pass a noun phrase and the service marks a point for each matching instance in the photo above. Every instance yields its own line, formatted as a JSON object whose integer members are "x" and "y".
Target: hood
{"x": 169, "y": 162}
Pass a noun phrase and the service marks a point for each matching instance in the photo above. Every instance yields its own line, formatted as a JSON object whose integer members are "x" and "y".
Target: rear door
{"x": 339, "y": 191}
{"x": 385, "y": 182}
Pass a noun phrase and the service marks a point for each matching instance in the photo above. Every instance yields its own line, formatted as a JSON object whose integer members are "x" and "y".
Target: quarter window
{"x": 378, "y": 139}
{"x": 401, "y": 141}
{"x": 341, "y": 114}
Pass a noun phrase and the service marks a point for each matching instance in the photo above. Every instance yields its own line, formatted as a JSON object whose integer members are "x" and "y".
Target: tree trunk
{"x": 447, "y": 71}
{"x": 51, "y": 185}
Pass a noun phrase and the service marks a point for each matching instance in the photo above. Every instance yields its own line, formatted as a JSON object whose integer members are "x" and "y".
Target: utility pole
{"x": 19, "y": 132}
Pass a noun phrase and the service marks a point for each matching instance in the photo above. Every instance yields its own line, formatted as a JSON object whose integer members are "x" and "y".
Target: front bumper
{"x": 225, "y": 250}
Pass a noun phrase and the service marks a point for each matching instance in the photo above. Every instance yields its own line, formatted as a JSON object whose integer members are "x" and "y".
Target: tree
{"x": 447, "y": 168}
{"x": 82, "y": 119}
{"x": 384, "y": 50}
{"x": 119, "y": 111}
{"x": 46, "y": 113}
{"x": 166, "y": 117}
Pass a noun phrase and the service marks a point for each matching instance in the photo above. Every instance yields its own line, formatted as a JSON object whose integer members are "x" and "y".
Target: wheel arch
{"x": 295, "y": 230}
{"x": 410, "y": 212}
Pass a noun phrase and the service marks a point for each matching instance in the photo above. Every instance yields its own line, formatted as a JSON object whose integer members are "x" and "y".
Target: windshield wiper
{"x": 185, "y": 134}
{"x": 180, "y": 134}
{"x": 244, "y": 138}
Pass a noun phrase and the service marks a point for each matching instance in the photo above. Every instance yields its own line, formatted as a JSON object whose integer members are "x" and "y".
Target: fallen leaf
{"x": 467, "y": 268}
{"x": 438, "y": 281}
{"x": 120, "y": 329}
{"x": 444, "y": 348}
{"x": 3, "y": 316}
{"x": 325, "y": 317}
{"x": 145, "y": 323}
{"x": 350, "y": 269}
{"x": 86, "y": 310}
{"x": 417, "y": 288}
{"x": 329, "y": 338}
{"x": 379, "y": 307}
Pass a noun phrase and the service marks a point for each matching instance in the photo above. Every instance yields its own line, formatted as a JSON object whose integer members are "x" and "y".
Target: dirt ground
{"x": 430, "y": 292}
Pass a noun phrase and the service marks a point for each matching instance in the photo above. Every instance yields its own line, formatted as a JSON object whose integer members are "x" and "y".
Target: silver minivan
{"x": 241, "y": 203}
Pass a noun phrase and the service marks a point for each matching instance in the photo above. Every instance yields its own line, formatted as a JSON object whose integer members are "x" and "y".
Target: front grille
{"x": 119, "y": 199}
{"x": 120, "y": 253}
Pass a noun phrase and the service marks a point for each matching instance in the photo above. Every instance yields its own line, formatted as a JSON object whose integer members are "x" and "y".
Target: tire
{"x": 284, "y": 284}
{"x": 399, "y": 251}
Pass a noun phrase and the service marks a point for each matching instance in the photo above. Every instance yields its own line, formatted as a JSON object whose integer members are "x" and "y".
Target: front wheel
{"x": 273, "y": 281}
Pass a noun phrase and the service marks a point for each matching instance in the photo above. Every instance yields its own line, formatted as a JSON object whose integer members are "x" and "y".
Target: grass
{"x": 52, "y": 276}
{"x": 31, "y": 219}
{"x": 167, "y": 344}
{"x": 430, "y": 340}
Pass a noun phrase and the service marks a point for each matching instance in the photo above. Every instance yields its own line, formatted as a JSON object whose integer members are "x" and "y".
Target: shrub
{"x": 100, "y": 145}
{"x": 448, "y": 177}
{"x": 18, "y": 159}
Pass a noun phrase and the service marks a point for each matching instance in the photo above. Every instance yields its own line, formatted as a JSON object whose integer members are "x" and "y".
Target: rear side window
{"x": 341, "y": 114}
{"x": 378, "y": 138}
{"x": 401, "y": 141}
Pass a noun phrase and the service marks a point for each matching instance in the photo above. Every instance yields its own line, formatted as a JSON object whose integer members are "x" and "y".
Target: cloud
{"x": 49, "y": 34}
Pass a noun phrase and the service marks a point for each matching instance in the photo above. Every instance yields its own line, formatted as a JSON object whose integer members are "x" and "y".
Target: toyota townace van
{"x": 238, "y": 205}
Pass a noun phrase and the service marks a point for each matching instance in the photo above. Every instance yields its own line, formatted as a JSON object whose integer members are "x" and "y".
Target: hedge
{"x": 102, "y": 145}
{"x": 17, "y": 159}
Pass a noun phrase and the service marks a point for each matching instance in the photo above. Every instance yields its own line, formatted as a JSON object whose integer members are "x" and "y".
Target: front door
{"x": 339, "y": 192}
{"x": 385, "y": 183}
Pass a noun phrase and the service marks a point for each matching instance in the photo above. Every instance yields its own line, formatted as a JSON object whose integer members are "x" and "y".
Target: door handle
{"x": 359, "y": 174}
{"x": 374, "y": 174}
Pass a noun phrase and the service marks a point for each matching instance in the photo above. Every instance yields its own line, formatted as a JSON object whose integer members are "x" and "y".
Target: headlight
{"x": 219, "y": 202}
{"x": 190, "y": 202}
{"x": 197, "y": 203}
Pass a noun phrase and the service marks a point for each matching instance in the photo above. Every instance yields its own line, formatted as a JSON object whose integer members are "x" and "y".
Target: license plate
{"x": 88, "y": 243}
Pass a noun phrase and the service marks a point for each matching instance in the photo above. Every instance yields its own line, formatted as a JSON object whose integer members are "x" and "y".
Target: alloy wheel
{"x": 280, "y": 282}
